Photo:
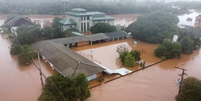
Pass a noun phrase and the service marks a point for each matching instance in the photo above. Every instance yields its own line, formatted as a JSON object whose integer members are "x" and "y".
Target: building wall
{"x": 83, "y": 43}
{"x": 91, "y": 77}
{"x": 65, "y": 27}
{"x": 83, "y": 21}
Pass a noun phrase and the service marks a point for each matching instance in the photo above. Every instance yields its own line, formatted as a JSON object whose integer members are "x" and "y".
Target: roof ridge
{"x": 67, "y": 54}
{"x": 66, "y": 21}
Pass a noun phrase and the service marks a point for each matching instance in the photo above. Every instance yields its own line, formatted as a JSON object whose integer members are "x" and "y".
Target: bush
{"x": 190, "y": 90}
{"x": 22, "y": 56}
{"x": 15, "y": 49}
{"x": 168, "y": 49}
{"x": 136, "y": 54}
{"x": 100, "y": 79}
{"x": 129, "y": 60}
{"x": 102, "y": 28}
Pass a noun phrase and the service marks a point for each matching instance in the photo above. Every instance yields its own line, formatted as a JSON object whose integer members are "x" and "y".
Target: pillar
{"x": 113, "y": 39}
{"x": 118, "y": 38}
{"x": 99, "y": 41}
{"x": 91, "y": 42}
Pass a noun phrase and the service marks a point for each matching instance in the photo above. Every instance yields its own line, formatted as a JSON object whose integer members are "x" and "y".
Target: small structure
{"x": 83, "y": 20}
{"x": 198, "y": 21}
{"x": 19, "y": 21}
{"x": 47, "y": 23}
{"x": 68, "y": 23}
{"x": 175, "y": 38}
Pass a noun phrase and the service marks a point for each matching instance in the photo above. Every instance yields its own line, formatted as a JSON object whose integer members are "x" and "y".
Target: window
{"x": 84, "y": 26}
{"x": 81, "y": 18}
{"x": 88, "y": 18}
{"x": 81, "y": 27}
{"x": 84, "y": 17}
{"x": 87, "y": 26}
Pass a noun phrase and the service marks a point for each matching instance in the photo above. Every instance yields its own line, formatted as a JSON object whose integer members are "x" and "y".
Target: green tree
{"x": 28, "y": 34}
{"x": 187, "y": 45}
{"x": 168, "y": 49}
{"x": 58, "y": 33}
{"x": 190, "y": 90}
{"x": 154, "y": 27}
{"x": 22, "y": 56}
{"x": 15, "y": 49}
{"x": 136, "y": 54}
{"x": 102, "y": 28}
{"x": 129, "y": 60}
{"x": 70, "y": 89}
{"x": 196, "y": 43}
{"x": 48, "y": 32}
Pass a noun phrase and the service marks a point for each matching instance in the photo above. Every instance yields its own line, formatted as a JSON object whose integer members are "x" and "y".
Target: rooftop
{"x": 67, "y": 22}
{"x": 85, "y": 13}
{"x": 66, "y": 61}
{"x": 103, "y": 18}
{"x": 79, "y": 9}
{"x": 17, "y": 18}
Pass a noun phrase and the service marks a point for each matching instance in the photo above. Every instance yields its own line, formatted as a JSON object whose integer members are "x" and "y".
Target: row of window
{"x": 84, "y": 27}
{"x": 85, "y": 18}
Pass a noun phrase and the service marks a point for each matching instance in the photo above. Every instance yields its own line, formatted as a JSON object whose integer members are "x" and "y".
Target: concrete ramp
{"x": 123, "y": 71}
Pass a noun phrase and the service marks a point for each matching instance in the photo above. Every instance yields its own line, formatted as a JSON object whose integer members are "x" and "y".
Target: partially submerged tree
{"x": 168, "y": 49}
{"x": 136, "y": 54}
{"x": 190, "y": 90}
{"x": 154, "y": 27}
{"x": 75, "y": 89}
{"x": 129, "y": 60}
{"x": 122, "y": 48}
{"x": 187, "y": 45}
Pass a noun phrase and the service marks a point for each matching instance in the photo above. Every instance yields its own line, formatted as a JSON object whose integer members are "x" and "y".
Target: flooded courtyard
{"x": 105, "y": 53}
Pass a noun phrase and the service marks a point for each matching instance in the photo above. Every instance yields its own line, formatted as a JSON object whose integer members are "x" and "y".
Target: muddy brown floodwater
{"x": 156, "y": 83}
{"x": 19, "y": 83}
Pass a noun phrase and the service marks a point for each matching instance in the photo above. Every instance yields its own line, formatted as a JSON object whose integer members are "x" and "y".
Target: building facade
{"x": 83, "y": 20}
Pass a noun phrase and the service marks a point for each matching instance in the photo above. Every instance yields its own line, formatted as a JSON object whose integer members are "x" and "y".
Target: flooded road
{"x": 19, "y": 83}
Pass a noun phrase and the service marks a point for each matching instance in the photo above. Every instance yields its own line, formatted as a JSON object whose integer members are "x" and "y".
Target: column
{"x": 91, "y": 42}
{"x": 113, "y": 39}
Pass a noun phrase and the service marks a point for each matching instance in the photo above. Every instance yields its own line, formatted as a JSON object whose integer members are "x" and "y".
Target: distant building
{"x": 19, "y": 21}
{"x": 47, "y": 24}
{"x": 198, "y": 21}
{"x": 83, "y": 20}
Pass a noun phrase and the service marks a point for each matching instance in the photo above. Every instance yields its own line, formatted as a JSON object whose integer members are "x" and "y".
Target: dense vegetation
{"x": 27, "y": 35}
{"x": 168, "y": 49}
{"x": 109, "y": 7}
{"x": 75, "y": 89}
{"x": 186, "y": 43}
{"x": 190, "y": 90}
{"x": 154, "y": 27}
{"x": 102, "y": 28}
{"x": 126, "y": 57}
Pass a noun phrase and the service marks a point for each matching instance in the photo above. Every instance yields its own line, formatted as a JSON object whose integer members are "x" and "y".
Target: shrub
{"x": 136, "y": 54}
{"x": 129, "y": 60}
{"x": 15, "y": 49}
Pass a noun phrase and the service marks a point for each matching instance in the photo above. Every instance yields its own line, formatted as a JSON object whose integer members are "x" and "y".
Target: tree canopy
{"x": 190, "y": 90}
{"x": 168, "y": 49}
{"x": 70, "y": 89}
{"x": 154, "y": 27}
{"x": 102, "y": 28}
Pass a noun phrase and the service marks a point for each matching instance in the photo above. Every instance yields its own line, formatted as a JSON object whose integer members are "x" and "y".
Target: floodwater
{"x": 156, "y": 83}
{"x": 105, "y": 53}
{"x": 19, "y": 83}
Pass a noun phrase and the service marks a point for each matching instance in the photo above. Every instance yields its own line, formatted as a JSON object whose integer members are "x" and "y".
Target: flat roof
{"x": 75, "y": 39}
{"x": 103, "y": 18}
{"x": 83, "y": 13}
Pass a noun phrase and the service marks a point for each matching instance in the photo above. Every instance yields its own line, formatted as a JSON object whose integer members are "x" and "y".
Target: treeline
{"x": 55, "y": 7}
